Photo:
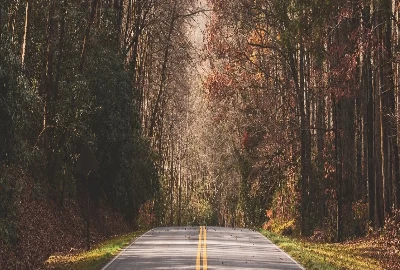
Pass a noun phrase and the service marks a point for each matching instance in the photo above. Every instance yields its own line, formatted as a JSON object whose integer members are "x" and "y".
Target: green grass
{"x": 327, "y": 256}
{"x": 95, "y": 258}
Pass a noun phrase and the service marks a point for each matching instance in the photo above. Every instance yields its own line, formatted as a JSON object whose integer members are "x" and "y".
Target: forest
{"x": 311, "y": 88}
{"x": 230, "y": 113}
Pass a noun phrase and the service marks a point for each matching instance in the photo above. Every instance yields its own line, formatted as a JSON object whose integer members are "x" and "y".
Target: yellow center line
{"x": 205, "y": 249}
{"x": 199, "y": 250}
{"x": 202, "y": 234}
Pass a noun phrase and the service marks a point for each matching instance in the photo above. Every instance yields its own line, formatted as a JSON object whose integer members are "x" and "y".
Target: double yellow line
{"x": 202, "y": 246}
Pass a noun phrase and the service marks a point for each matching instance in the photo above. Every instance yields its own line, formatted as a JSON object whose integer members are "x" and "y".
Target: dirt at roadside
{"x": 44, "y": 229}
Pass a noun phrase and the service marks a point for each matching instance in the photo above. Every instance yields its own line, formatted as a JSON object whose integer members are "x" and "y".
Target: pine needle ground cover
{"x": 369, "y": 253}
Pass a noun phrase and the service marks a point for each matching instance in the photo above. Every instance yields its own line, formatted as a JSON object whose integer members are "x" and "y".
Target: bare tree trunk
{"x": 339, "y": 179}
{"x": 386, "y": 82}
{"x": 57, "y": 81}
{"x": 379, "y": 203}
{"x": 1, "y": 25}
{"x": 367, "y": 84}
{"x": 389, "y": 112}
{"x": 61, "y": 43}
{"x": 349, "y": 163}
{"x": 299, "y": 80}
{"x": 171, "y": 185}
{"x": 180, "y": 194}
{"x": 23, "y": 49}
{"x": 48, "y": 85}
{"x": 396, "y": 168}
{"x": 13, "y": 17}
{"x": 320, "y": 158}
{"x": 87, "y": 32}
{"x": 163, "y": 74}
{"x": 379, "y": 151}
{"x": 119, "y": 6}
{"x": 359, "y": 187}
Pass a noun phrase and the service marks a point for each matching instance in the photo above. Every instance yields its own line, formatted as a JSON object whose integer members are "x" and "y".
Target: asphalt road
{"x": 202, "y": 248}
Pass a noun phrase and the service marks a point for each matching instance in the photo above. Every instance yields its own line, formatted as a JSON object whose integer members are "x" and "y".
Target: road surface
{"x": 202, "y": 248}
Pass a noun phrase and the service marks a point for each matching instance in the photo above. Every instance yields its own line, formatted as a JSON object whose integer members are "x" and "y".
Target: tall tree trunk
{"x": 396, "y": 168}
{"x": 299, "y": 80}
{"x": 23, "y": 49}
{"x": 93, "y": 9}
{"x": 386, "y": 82}
{"x": 180, "y": 192}
{"x": 367, "y": 85}
{"x": 390, "y": 126}
{"x": 61, "y": 44}
{"x": 171, "y": 185}
{"x": 348, "y": 161}
{"x": 1, "y": 24}
{"x": 360, "y": 185}
{"x": 379, "y": 203}
{"x": 378, "y": 132}
{"x": 48, "y": 85}
{"x": 339, "y": 169}
{"x": 56, "y": 86}
{"x": 119, "y": 6}
{"x": 320, "y": 157}
{"x": 163, "y": 74}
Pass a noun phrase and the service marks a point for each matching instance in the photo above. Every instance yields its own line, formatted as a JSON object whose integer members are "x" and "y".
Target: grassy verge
{"x": 95, "y": 258}
{"x": 355, "y": 255}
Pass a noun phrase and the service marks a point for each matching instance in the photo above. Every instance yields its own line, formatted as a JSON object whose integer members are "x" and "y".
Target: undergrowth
{"x": 93, "y": 259}
{"x": 313, "y": 255}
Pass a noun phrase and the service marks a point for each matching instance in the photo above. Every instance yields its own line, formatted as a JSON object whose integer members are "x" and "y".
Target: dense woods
{"x": 311, "y": 90}
{"x": 285, "y": 109}
{"x": 99, "y": 77}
